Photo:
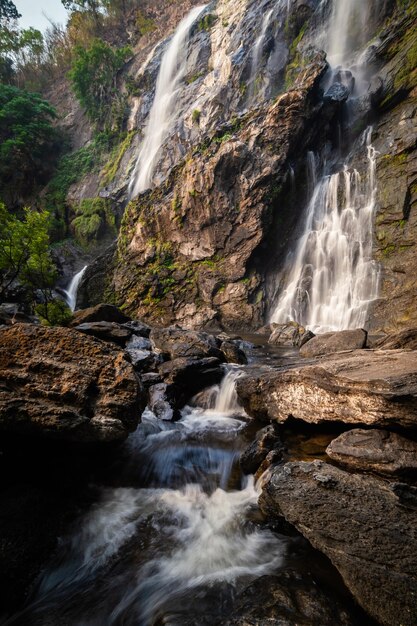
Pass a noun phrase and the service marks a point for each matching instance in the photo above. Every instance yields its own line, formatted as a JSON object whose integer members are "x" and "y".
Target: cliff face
{"x": 206, "y": 243}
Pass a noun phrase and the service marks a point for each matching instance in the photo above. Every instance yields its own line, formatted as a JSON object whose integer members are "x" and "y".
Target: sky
{"x": 33, "y": 13}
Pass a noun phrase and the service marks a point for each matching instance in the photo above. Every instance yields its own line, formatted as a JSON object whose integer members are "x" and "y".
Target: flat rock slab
{"x": 329, "y": 343}
{"x": 364, "y": 525}
{"x": 362, "y": 387}
{"x": 375, "y": 450}
{"x": 62, "y": 384}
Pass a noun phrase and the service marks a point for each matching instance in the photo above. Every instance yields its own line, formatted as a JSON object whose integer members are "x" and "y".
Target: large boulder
{"x": 290, "y": 334}
{"x": 367, "y": 528}
{"x": 288, "y": 599}
{"x": 329, "y": 343}
{"x": 58, "y": 383}
{"x": 376, "y": 450}
{"x": 107, "y": 331}
{"x": 100, "y": 313}
{"x": 363, "y": 387}
{"x": 179, "y": 343}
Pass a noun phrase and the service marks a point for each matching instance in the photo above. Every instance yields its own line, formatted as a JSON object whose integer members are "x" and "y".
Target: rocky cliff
{"x": 207, "y": 243}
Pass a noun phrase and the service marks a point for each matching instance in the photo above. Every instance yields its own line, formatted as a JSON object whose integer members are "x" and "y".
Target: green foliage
{"x": 8, "y": 11}
{"x": 145, "y": 25}
{"x": 28, "y": 141}
{"x": 24, "y": 252}
{"x": 196, "y": 116}
{"x": 207, "y": 22}
{"x": 117, "y": 154}
{"x": 54, "y": 313}
{"x": 93, "y": 216}
{"x": 93, "y": 78}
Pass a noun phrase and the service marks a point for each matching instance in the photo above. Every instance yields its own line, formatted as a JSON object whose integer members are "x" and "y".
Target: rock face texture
{"x": 375, "y": 450}
{"x": 334, "y": 342}
{"x": 376, "y": 388}
{"x": 222, "y": 201}
{"x": 364, "y": 525}
{"x": 59, "y": 383}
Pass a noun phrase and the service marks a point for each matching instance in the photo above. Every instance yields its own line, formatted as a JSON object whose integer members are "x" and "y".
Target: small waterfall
{"x": 162, "y": 114}
{"x": 257, "y": 54}
{"x": 71, "y": 292}
{"x": 227, "y": 400}
{"x": 333, "y": 277}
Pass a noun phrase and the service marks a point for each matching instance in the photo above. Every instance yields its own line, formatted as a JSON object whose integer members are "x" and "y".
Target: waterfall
{"x": 227, "y": 401}
{"x": 333, "y": 278}
{"x": 345, "y": 30}
{"x": 163, "y": 113}
{"x": 257, "y": 54}
{"x": 71, "y": 292}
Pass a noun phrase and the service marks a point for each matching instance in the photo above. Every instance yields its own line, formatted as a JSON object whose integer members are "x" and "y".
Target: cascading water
{"x": 163, "y": 113}
{"x": 175, "y": 544}
{"x": 71, "y": 292}
{"x": 333, "y": 277}
{"x": 257, "y": 53}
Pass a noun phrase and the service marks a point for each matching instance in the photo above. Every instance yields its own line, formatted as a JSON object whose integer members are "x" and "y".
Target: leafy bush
{"x": 28, "y": 142}
{"x": 25, "y": 253}
{"x": 94, "y": 216}
{"x": 54, "y": 313}
{"x": 93, "y": 77}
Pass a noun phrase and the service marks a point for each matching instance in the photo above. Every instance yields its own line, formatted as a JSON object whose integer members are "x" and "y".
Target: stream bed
{"x": 174, "y": 535}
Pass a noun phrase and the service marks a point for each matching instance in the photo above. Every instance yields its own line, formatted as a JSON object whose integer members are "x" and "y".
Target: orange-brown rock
{"x": 59, "y": 383}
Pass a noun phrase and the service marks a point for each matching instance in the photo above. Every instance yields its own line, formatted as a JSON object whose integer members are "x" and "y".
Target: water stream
{"x": 71, "y": 292}
{"x": 163, "y": 111}
{"x": 176, "y": 540}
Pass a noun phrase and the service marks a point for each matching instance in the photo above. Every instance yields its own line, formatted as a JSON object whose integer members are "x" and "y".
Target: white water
{"x": 175, "y": 548}
{"x": 71, "y": 292}
{"x": 344, "y": 31}
{"x": 333, "y": 278}
{"x": 163, "y": 112}
{"x": 257, "y": 55}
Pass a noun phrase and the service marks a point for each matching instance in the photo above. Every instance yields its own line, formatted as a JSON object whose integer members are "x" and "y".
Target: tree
{"x": 28, "y": 142}
{"x": 8, "y": 12}
{"x": 24, "y": 252}
{"x": 93, "y": 78}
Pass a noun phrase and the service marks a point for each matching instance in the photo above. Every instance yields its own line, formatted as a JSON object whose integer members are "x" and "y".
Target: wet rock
{"x": 58, "y": 383}
{"x": 287, "y": 599}
{"x": 376, "y": 388}
{"x": 232, "y": 353}
{"x": 329, "y": 343}
{"x": 138, "y": 328}
{"x": 404, "y": 340}
{"x": 151, "y": 378}
{"x": 100, "y": 313}
{"x": 375, "y": 450}
{"x": 253, "y": 456}
{"x": 188, "y": 376}
{"x": 361, "y": 525}
{"x": 107, "y": 331}
{"x": 160, "y": 403}
{"x": 179, "y": 343}
{"x": 337, "y": 93}
{"x": 290, "y": 334}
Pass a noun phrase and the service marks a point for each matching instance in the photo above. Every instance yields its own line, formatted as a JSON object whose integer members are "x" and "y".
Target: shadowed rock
{"x": 375, "y": 450}
{"x": 100, "y": 313}
{"x": 364, "y": 527}
{"x": 59, "y": 383}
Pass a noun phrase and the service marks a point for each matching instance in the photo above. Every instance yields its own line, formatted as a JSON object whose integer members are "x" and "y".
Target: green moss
{"x": 207, "y": 22}
{"x": 145, "y": 25}
{"x": 193, "y": 78}
{"x": 93, "y": 217}
{"x": 111, "y": 167}
{"x": 196, "y": 116}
